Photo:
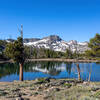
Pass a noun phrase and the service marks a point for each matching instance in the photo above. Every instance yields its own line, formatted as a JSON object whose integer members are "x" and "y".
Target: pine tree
{"x": 15, "y": 51}
{"x": 94, "y": 44}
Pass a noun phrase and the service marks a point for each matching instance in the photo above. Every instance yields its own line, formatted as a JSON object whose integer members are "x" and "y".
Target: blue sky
{"x": 70, "y": 19}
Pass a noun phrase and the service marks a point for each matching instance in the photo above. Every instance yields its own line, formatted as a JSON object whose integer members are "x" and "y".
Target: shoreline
{"x": 54, "y": 59}
{"x": 63, "y": 60}
{"x": 5, "y": 61}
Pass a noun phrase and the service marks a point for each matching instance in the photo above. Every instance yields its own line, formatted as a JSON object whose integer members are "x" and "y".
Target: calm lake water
{"x": 33, "y": 70}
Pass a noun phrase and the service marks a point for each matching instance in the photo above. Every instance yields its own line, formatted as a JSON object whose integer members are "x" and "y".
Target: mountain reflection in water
{"x": 33, "y": 70}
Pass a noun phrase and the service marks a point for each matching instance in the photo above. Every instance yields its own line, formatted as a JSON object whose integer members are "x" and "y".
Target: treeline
{"x": 35, "y": 53}
{"x": 47, "y": 53}
{"x": 3, "y": 44}
{"x": 42, "y": 53}
{"x": 93, "y": 53}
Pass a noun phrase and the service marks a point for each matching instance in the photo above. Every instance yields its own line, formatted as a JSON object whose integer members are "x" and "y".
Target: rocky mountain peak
{"x": 26, "y": 40}
{"x": 72, "y": 42}
{"x": 53, "y": 38}
{"x": 55, "y": 43}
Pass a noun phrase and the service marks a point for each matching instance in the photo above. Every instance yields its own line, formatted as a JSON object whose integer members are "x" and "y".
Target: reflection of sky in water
{"x": 62, "y": 70}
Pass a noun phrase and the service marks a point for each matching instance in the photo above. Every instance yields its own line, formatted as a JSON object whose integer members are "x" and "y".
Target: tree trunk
{"x": 21, "y": 72}
{"x": 90, "y": 72}
{"x": 78, "y": 69}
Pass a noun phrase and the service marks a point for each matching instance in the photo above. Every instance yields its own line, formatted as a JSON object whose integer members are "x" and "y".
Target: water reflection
{"x": 8, "y": 69}
{"x": 32, "y": 70}
{"x": 52, "y": 68}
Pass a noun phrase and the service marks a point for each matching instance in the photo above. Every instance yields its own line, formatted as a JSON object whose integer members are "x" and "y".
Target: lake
{"x": 58, "y": 70}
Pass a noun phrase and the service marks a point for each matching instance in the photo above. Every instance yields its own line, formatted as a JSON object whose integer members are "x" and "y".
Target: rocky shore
{"x": 50, "y": 89}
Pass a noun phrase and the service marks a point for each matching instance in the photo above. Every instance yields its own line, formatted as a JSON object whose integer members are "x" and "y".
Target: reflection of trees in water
{"x": 84, "y": 70}
{"x": 8, "y": 69}
{"x": 78, "y": 70}
{"x": 53, "y": 68}
{"x": 89, "y": 71}
{"x": 68, "y": 67}
{"x": 12, "y": 68}
{"x": 50, "y": 67}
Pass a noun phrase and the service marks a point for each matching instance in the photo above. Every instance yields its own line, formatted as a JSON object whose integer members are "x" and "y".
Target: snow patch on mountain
{"x": 57, "y": 44}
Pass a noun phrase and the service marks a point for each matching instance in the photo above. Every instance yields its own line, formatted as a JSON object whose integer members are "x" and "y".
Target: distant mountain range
{"x": 55, "y": 43}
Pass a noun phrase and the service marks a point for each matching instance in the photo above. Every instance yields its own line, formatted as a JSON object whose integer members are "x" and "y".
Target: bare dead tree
{"x": 77, "y": 64}
{"x": 78, "y": 69}
{"x": 90, "y": 72}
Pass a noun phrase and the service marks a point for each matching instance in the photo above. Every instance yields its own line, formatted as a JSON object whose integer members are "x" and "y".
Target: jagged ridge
{"x": 55, "y": 43}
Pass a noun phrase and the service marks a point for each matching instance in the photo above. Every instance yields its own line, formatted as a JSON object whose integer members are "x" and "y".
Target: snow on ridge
{"x": 83, "y": 43}
{"x": 60, "y": 45}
